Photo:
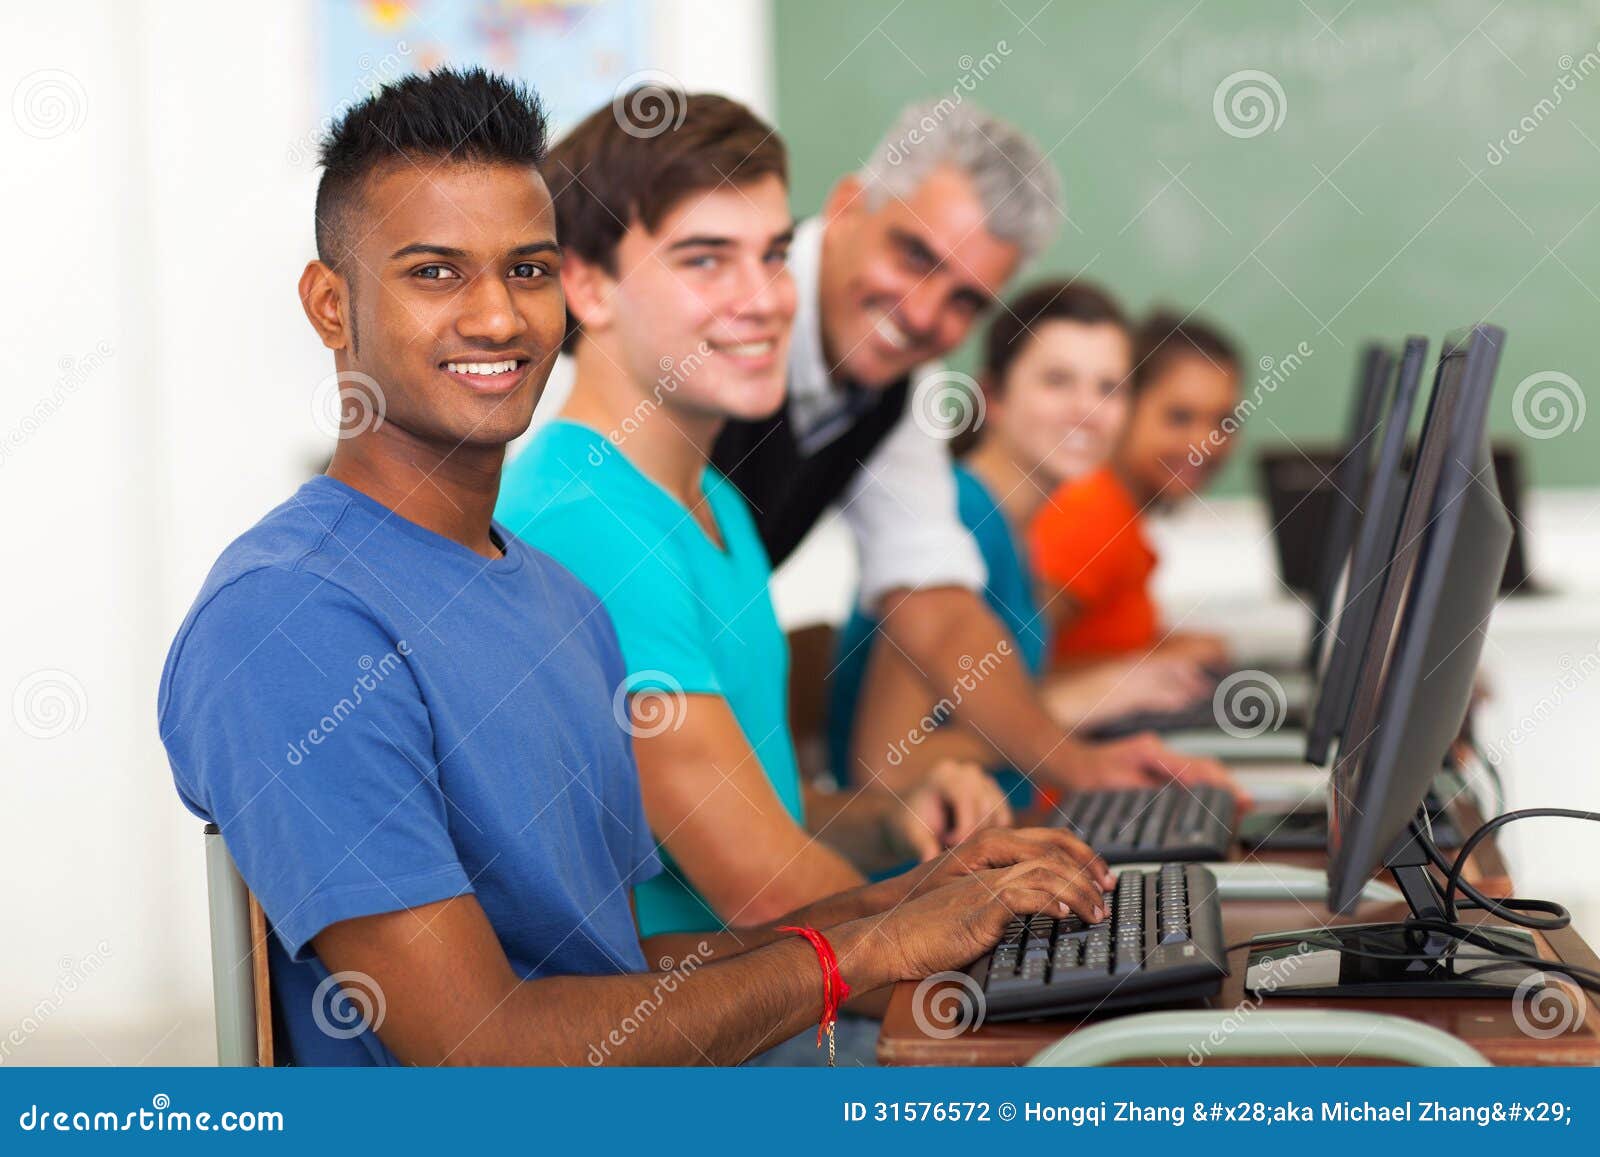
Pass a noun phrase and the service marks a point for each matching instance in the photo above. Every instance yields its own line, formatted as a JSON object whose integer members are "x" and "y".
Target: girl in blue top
{"x": 1054, "y": 403}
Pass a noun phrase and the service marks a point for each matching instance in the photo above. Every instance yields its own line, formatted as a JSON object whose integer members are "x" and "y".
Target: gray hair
{"x": 1019, "y": 188}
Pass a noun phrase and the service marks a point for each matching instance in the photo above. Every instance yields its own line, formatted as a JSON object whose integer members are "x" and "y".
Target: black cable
{"x": 1502, "y": 908}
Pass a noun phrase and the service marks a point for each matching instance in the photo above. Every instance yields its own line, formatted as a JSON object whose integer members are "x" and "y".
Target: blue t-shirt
{"x": 693, "y": 618}
{"x": 1009, "y": 592}
{"x": 379, "y": 718}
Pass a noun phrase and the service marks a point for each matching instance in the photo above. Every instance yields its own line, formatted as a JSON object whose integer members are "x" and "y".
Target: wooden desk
{"x": 1488, "y": 1025}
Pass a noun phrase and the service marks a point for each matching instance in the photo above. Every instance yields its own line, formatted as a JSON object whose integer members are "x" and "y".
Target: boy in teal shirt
{"x": 680, "y": 307}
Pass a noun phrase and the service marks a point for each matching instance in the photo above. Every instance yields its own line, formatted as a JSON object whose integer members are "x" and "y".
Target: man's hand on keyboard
{"x": 952, "y": 925}
{"x": 1003, "y": 848}
{"x": 1145, "y": 761}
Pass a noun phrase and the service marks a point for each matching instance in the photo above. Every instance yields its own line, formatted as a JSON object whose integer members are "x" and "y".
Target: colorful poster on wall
{"x": 574, "y": 52}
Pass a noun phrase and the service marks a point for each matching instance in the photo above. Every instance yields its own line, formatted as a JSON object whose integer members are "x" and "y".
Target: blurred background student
{"x": 1054, "y": 377}
{"x": 1090, "y": 542}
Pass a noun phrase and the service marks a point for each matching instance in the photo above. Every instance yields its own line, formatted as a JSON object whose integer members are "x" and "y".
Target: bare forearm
{"x": 951, "y": 742}
{"x": 720, "y": 1012}
{"x": 961, "y": 648}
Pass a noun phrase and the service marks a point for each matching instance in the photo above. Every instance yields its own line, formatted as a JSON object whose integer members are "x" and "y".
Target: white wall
{"x": 157, "y": 382}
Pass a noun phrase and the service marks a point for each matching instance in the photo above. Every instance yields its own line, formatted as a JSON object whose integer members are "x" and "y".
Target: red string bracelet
{"x": 834, "y": 990}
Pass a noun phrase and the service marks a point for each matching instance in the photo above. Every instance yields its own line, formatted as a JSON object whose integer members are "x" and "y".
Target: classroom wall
{"x": 158, "y": 378}
{"x": 1389, "y": 169}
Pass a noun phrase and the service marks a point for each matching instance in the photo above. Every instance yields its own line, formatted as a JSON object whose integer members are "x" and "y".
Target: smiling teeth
{"x": 481, "y": 369}
{"x": 892, "y": 333}
{"x": 749, "y": 349}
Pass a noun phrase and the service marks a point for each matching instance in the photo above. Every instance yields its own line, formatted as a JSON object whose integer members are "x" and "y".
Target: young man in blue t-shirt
{"x": 401, "y": 716}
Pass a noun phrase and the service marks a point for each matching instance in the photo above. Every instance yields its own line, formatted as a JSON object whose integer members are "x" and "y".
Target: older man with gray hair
{"x": 905, "y": 257}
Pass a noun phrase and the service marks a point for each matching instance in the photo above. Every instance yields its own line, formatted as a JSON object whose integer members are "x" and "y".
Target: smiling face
{"x": 1177, "y": 411}
{"x": 453, "y": 299}
{"x": 699, "y": 311}
{"x": 1064, "y": 399}
{"x": 903, "y": 283}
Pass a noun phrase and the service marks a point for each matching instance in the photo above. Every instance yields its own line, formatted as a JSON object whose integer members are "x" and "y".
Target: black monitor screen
{"x": 1416, "y": 677}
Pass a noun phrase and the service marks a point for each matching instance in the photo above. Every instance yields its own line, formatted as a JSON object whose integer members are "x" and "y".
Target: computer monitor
{"x": 1416, "y": 678}
{"x": 1376, "y": 369}
{"x": 1381, "y": 508}
{"x": 1412, "y": 693}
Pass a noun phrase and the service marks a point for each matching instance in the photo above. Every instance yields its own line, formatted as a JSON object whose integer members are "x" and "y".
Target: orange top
{"x": 1089, "y": 540}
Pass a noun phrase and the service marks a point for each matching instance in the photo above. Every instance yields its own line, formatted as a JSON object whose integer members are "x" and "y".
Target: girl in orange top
{"x": 1089, "y": 543}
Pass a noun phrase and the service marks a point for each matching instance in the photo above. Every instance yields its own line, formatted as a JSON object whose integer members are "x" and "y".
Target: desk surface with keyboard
{"x": 1490, "y": 1026}
{"x": 1004, "y": 1039}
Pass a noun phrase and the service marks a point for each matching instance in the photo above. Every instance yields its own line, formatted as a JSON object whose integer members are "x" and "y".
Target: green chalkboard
{"x": 1313, "y": 172}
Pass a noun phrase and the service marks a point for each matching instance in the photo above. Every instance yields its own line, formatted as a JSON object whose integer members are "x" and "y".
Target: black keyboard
{"x": 1175, "y": 822}
{"x": 1200, "y": 716}
{"x": 1162, "y": 943}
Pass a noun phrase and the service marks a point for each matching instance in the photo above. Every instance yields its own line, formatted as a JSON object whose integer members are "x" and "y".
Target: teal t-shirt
{"x": 1009, "y": 592}
{"x": 692, "y": 618}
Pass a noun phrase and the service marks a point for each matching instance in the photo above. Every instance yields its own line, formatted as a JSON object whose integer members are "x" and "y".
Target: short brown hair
{"x": 612, "y": 173}
{"x": 1013, "y": 329}
{"x": 1167, "y": 335}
